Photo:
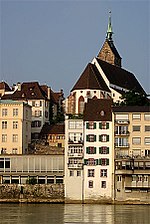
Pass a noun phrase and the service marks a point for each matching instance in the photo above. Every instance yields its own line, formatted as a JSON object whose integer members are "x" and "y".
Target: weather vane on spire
{"x": 109, "y": 29}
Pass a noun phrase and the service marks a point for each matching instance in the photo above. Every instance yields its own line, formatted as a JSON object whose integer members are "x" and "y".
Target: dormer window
{"x": 102, "y": 113}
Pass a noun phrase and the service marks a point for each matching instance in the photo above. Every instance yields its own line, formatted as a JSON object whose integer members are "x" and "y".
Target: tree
{"x": 132, "y": 98}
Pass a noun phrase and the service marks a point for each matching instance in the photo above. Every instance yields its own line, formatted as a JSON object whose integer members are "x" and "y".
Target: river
{"x": 74, "y": 213}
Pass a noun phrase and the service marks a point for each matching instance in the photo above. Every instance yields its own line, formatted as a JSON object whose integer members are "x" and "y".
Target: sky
{"x": 52, "y": 41}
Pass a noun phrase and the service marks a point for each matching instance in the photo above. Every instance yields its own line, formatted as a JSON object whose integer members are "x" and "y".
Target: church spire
{"x": 109, "y": 29}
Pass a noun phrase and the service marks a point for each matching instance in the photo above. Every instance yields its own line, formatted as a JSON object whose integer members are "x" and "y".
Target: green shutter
{"x": 107, "y": 138}
{"x": 100, "y": 138}
{"x": 94, "y": 125}
{"x": 87, "y": 138}
{"x": 100, "y": 162}
{"x": 107, "y": 150}
{"x": 100, "y": 150}
{"x": 94, "y": 150}
{"x": 85, "y": 161}
{"x": 107, "y": 125}
{"x": 107, "y": 162}
{"x": 96, "y": 161}
{"x": 87, "y": 125}
{"x": 94, "y": 138}
{"x": 87, "y": 150}
{"x": 100, "y": 125}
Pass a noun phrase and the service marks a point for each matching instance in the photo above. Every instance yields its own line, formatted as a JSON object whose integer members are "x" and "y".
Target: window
{"x": 91, "y": 150}
{"x": 14, "y": 151}
{"x": 40, "y": 103}
{"x": 136, "y": 140}
{"x": 104, "y": 150}
{"x": 71, "y": 173}
{"x": 91, "y": 138}
{"x": 4, "y": 124}
{"x": 147, "y": 128}
{"x": 103, "y": 138}
{"x": 147, "y": 140}
{"x": 121, "y": 142}
{"x": 36, "y": 124}
{"x": 90, "y": 184}
{"x": 38, "y": 113}
{"x": 147, "y": 117}
{"x": 3, "y": 151}
{"x": 118, "y": 178}
{"x": 15, "y": 138}
{"x": 91, "y": 172}
{"x": 75, "y": 137}
{"x": 136, "y": 128}
{"x": 33, "y": 103}
{"x": 147, "y": 152}
{"x": 103, "y": 173}
{"x": 15, "y": 112}
{"x": 104, "y": 162}
{"x": 4, "y": 112}
{"x": 91, "y": 125}
{"x": 136, "y": 116}
{"x": 103, "y": 125}
{"x": 78, "y": 173}
{"x": 4, "y": 137}
{"x": 91, "y": 162}
{"x": 121, "y": 129}
{"x": 103, "y": 184}
{"x": 75, "y": 124}
{"x": 15, "y": 124}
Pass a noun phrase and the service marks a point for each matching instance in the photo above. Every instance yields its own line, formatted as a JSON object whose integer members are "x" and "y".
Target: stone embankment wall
{"x": 51, "y": 193}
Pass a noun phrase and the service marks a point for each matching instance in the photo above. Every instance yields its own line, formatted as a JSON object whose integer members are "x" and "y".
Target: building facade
{"x": 15, "y": 127}
{"x": 132, "y": 153}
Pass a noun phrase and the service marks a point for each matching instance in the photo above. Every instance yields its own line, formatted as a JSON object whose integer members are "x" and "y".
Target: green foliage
{"x": 132, "y": 98}
{"x": 31, "y": 180}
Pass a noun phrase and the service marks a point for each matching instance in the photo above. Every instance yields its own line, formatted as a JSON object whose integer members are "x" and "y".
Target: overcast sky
{"x": 52, "y": 41}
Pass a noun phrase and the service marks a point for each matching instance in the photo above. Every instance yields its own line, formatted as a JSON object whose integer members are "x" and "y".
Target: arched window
{"x": 81, "y": 105}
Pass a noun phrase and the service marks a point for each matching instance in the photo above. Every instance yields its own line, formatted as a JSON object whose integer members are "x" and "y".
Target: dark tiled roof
{"x": 5, "y": 86}
{"x": 93, "y": 110}
{"x": 91, "y": 79}
{"x": 53, "y": 129}
{"x": 113, "y": 48}
{"x": 131, "y": 109}
{"x": 29, "y": 90}
{"x": 120, "y": 77}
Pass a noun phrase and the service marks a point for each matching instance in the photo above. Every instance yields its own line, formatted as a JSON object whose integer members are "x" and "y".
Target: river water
{"x": 74, "y": 213}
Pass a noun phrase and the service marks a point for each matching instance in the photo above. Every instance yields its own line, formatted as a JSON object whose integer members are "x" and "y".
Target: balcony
{"x": 75, "y": 155}
{"x": 122, "y": 133}
{"x": 122, "y": 121}
{"x": 72, "y": 142}
{"x": 75, "y": 166}
{"x": 117, "y": 145}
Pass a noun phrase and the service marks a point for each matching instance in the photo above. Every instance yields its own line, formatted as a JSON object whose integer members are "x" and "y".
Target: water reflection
{"x": 74, "y": 213}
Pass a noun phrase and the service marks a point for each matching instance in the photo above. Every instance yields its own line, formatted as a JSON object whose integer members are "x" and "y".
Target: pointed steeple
{"x": 109, "y": 29}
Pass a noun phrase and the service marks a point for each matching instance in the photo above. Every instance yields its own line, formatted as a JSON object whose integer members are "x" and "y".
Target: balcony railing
{"x": 122, "y": 133}
{"x": 117, "y": 145}
{"x": 75, "y": 155}
{"x": 122, "y": 121}
{"x": 75, "y": 166}
{"x": 75, "y": 142}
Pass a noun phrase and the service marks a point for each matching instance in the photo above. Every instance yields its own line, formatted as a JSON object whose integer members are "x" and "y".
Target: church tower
{"x": 108, "y": 51}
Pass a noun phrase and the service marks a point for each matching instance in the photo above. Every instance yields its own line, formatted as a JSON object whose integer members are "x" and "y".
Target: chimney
{"x": 19, "y": 86}
{"x": 48, "y": 92}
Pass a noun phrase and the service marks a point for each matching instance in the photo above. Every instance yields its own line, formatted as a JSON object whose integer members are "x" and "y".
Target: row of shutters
{"x": 94, "y": 125}
{"x": 88, "y": 150}
{"x": 97, "y": 161}
{"x": 94, "y": 138}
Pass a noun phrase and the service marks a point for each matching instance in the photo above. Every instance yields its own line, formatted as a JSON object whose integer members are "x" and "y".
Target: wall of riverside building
{"x": 32, "y": 193}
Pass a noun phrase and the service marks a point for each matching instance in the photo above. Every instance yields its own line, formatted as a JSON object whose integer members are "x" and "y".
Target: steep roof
{"x": 120, "y": 77}
{"x": 53, "y": 129}
{"x": 113, "y": 48}
{"x": 91, "y": 79}
{"x": 28, "y": 90}
{"x": 94, "y": 110}
{"x": 5, "y": 86}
